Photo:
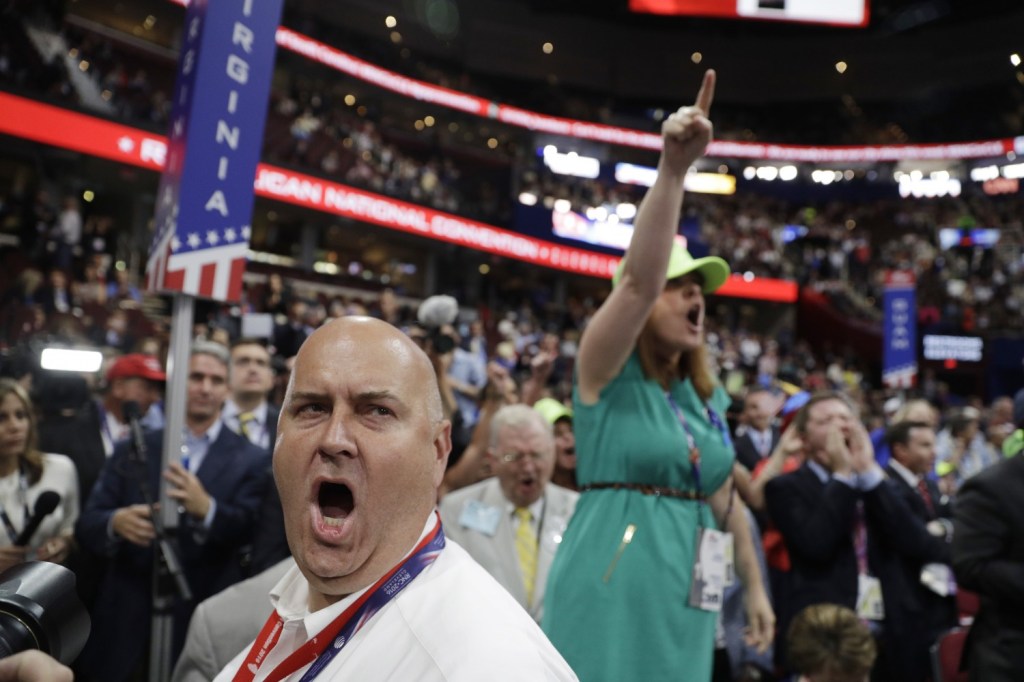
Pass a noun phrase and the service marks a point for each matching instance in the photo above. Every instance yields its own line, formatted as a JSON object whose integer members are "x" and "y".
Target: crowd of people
{"x": 964, "y": 290}
{"x": 365, "y": 466}
{"x": 617, "y": 489}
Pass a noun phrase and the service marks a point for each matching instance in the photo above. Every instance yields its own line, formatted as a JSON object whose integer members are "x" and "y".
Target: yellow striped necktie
{"x": 245, "y": 424}
{"x": 526, "y": 548}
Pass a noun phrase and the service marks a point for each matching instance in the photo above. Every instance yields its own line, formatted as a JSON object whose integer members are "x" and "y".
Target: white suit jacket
{"x": 495, "y": 549}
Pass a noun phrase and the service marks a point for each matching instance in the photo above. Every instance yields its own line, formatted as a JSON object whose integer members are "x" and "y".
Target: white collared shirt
{"x": 536, "y": 514}
{"x": 453, "y": 623}
{"x": 906, "y": 474}
{"x": 290, "y": 598}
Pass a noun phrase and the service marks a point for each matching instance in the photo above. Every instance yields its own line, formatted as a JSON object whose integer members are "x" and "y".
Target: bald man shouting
{"x": 377, "y": 593}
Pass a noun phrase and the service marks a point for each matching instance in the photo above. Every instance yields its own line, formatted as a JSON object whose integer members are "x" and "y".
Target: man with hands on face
{"x": 217, "y": 484}
{"x": 847, "y": 531}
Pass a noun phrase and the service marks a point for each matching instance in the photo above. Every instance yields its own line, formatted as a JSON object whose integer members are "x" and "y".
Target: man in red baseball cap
{"x": 133, "y": 377}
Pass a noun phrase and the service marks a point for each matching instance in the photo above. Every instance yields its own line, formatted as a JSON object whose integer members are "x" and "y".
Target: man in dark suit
{"x": 847, "y": 531}
{"x": 248, "y": 412}
{"x": 988, "y": 557}
{"x": 757, "y": 436}
{"x": 218, "y": 485}
{"x": 928, "y": 599}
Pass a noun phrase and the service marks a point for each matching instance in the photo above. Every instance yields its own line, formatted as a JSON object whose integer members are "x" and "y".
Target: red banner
{"x": 58, "y": 127}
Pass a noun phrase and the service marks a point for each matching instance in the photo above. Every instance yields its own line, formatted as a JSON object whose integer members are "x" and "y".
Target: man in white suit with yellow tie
{"x": 512, "y": 523}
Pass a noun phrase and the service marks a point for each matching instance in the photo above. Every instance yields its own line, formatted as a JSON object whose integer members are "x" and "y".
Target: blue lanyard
{"x": 412, "y": 567}
{"x": 691, "y": 442}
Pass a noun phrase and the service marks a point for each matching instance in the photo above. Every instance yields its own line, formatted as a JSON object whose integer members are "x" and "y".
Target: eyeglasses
{"x": 517, "y": 457}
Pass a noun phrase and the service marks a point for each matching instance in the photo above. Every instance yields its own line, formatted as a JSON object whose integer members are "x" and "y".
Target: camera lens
{"x": 39, "y": 609}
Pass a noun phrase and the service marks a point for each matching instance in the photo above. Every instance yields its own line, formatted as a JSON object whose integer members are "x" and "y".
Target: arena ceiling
{"x": 910, "y": 50}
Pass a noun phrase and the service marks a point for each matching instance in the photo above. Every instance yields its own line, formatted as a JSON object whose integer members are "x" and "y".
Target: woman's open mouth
{"x": 694, "y": 316}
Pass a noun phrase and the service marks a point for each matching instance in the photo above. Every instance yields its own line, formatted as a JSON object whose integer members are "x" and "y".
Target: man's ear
{"x": 442, "y": 448}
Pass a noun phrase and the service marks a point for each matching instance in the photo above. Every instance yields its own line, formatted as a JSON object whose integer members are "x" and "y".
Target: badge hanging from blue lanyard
{"x": 713, "y": 562}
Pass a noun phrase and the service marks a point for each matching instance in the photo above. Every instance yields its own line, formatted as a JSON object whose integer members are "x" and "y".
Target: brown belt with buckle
{"x": 646, "y": 489}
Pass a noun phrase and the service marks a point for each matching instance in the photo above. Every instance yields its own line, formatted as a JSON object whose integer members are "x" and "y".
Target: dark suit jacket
{"x": 817, "y": 521}
{"x": 914, "y": 500}
{"x": 234, "y": 473}
{"x": 269, "y": 545}
{"x": 747, "y": 453}
{"x": 931, "y": 613}
{"x": 988, "y": 557}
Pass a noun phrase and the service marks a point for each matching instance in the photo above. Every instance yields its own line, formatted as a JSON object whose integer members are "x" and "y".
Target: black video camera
{"x": 39, "y": 609}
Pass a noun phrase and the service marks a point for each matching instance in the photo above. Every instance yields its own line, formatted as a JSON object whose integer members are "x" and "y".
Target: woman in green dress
{"x": 654, "y": 459}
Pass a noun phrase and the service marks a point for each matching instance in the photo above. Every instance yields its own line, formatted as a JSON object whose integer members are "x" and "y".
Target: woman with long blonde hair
{"x": 25, "y": 474}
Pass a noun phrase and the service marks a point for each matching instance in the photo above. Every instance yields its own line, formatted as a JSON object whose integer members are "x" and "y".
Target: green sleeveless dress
{"x": 619, "y": 612}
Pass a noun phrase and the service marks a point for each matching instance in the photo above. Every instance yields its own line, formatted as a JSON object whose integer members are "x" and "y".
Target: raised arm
{"x": 753, "y": 490}
{"x": 612, "y": 333}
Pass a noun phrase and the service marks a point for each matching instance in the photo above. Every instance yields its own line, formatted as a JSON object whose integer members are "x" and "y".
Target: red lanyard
{"x": 312, "y": 649}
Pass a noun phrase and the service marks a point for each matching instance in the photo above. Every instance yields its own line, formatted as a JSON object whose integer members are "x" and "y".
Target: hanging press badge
{"x": 869, "y": 598}
{"x": 713, "y": 569}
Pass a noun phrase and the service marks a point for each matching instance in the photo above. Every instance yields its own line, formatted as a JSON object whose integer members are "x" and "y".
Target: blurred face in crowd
{"x": 824, "y": 417}
{"x": 251, "y": 374}
{"x": 207, "y": 390}
{"x": 757, "y": 409}
{"x": 361, "y": 451}
{"x": 918, "y": 454}
{"x": 677, "y": 320}
{"x": 921, "y": 411}
{"x": 15, "y": 425}
{"x": 565, "y": 444}
{"x": 1001, "y": 411}
{"x": 523, "y": 459}
{"x": 142, "y": 391}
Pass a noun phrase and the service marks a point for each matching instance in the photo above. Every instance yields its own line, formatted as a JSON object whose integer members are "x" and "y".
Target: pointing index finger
{"x": 707, "y": 92}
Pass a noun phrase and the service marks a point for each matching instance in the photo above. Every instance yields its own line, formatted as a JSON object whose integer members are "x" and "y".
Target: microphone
{"x": 45, "y": 504}
{"x": 132, "y": 415}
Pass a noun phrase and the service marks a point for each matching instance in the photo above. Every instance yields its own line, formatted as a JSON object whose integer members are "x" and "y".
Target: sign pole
{"x": 165, "y": 591}
{"x": 201, "y": 241}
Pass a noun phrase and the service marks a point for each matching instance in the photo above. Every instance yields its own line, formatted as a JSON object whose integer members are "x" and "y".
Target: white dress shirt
{"x": 452, "y": 623}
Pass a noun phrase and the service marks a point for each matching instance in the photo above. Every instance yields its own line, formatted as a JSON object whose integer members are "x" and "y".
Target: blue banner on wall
{"x": 204, "y": 205}
{"x": 899, "y": 357}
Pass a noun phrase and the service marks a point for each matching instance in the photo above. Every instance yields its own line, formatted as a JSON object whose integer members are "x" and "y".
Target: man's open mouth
{"x": 336, "y": 502}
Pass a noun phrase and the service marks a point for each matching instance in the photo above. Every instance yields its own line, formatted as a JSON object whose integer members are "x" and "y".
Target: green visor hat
{"x": 714, "y": 270}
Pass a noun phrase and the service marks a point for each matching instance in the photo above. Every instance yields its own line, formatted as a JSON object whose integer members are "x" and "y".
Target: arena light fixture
{"x": 1015, "y": 59}
{"x": 983, "y": 173}
{"x": 70, "y": 360}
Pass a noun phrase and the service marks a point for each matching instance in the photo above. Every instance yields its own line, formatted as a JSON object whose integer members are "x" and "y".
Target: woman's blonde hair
{"x": 32, "y": 458}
